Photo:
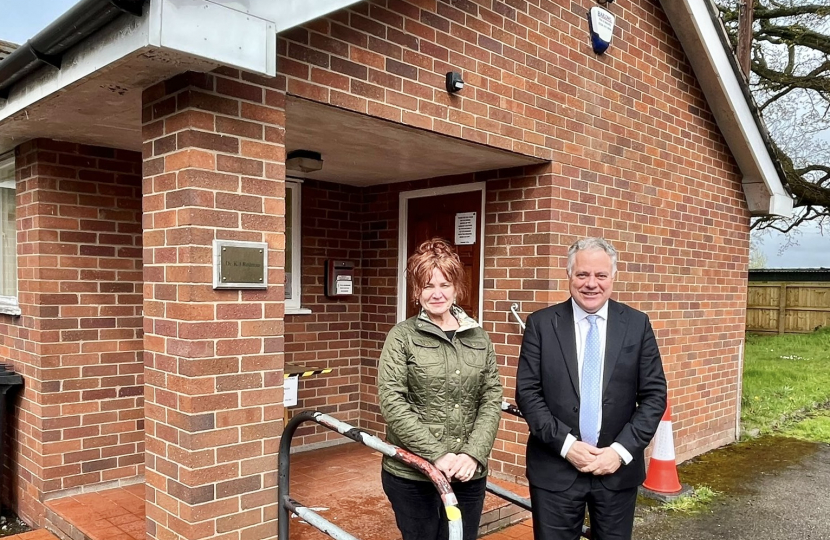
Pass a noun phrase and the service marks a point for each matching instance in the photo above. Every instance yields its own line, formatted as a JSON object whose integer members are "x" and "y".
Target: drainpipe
{"x": 48, "y": 46}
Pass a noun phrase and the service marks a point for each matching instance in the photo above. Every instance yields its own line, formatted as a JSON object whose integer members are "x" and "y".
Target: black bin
{"x": 9, "y": 380}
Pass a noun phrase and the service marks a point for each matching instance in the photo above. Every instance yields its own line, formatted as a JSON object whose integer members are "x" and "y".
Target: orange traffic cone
{"x": 662, "y": 470}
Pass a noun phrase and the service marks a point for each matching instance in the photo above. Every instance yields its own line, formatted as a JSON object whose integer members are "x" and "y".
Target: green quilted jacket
{"x": 439, "y": 396}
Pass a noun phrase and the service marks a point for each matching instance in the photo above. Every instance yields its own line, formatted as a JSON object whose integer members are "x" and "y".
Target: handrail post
{"x": 399, "y": 454}
{"x": 284, "y": 472}
{"x": 519, "y": 320}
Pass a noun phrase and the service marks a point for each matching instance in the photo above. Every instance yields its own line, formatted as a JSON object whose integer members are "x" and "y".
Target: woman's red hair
{"x": 432, "y": 254}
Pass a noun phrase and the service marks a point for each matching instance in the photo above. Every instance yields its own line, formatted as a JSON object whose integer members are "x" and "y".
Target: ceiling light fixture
{"x": 306, "y": 161}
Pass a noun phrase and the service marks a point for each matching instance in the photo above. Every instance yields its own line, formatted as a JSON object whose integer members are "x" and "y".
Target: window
{"x": 293, "y": 258}
{"x": 8, "y": 240}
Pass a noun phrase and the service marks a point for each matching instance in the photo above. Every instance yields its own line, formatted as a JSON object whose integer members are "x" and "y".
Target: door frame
{"x": 403, "y": 226}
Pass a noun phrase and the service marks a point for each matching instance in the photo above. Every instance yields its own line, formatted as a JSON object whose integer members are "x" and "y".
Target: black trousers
{"x": 419, "y": 511}
{"x": 559, "y": 515}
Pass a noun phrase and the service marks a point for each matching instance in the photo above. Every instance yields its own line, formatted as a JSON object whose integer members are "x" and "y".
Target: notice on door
{"x": 465, "y": 228}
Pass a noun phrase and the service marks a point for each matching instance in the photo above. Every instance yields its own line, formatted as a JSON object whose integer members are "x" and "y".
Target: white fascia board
{"x": 123, "y": 37}
{"x": 284, "y": 14}
{"x": 217, "y": 32}
{"x": 701, "y": 41}
{"x": 236, "y": 33}
{"x": 297, "y": 12}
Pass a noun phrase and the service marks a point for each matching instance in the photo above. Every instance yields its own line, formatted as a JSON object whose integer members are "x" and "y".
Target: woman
{"x": 440, "y": 396}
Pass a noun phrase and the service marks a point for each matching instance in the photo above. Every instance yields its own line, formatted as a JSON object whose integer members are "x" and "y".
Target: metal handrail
{"x": 511, "y": 409}
{"x": 519, "y": 320}
{"x": 286, "y": 503}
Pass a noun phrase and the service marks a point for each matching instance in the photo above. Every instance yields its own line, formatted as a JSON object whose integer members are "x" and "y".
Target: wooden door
{"x": 428, "y": 217}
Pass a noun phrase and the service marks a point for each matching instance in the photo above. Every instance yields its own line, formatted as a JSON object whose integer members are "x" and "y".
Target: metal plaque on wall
{"x": 240, "y": 265}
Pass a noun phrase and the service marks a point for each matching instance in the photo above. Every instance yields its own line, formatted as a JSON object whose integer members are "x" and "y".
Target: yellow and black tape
{"x": 308, "y": 373}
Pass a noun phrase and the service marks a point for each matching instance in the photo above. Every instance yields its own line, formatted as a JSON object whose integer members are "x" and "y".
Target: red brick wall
{"x": 636, "y": 157}
{"x": 682, "y": 260}
{"x": 78, "y": 342}
{"x": 329, "y": 337}
{"x": 388, "y": 58}
{"x": 521, "y": 238}
{"x": 380, "y": 282}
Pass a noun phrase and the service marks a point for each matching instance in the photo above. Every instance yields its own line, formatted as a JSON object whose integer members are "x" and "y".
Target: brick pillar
{"x": 213, "y": 168}
{"x": 524, "y": 261}
{"x": 78, "y": 341}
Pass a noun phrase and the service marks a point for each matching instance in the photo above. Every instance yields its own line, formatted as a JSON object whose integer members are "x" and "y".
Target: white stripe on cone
{"x": 663, "y": 442}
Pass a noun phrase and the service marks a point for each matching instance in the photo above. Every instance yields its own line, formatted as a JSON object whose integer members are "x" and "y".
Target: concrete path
{"x": 770, "y": 489}
{"x": 789, "y": 498}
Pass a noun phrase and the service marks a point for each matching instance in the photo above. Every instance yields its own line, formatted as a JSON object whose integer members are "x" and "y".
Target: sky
{"x": 22, "y": 19}
{"x": 811, "y": 251}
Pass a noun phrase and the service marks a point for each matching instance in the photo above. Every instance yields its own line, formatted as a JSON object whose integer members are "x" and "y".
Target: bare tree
{"x": 790, "y": 80}
{"x": 757, "y": 258}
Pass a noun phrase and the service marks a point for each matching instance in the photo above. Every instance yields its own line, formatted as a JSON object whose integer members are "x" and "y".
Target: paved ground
{"x": 790, "y": 499}
{"x": 771, "y": 489}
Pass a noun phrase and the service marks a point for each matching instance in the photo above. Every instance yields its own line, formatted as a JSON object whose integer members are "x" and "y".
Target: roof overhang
{"x": 108, "y": 69}
{"x": 698, "y": 27}
{"x": 133, "y": 51}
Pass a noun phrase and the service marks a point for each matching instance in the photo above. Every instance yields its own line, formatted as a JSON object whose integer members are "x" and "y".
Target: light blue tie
{"x": 591, "y": 385}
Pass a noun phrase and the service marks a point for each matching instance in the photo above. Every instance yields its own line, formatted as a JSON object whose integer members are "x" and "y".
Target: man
{"x": 591, "y": 386}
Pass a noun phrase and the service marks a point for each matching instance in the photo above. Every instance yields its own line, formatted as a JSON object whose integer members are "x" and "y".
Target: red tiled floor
{"x": 341, "y": 483}
{"x": 34, "y": 535}
{"x": 112, "y": 514}
{"x": 522, "y": 531}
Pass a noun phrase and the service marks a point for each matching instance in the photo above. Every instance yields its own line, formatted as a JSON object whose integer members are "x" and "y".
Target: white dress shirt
{"x": 581, "y": 327}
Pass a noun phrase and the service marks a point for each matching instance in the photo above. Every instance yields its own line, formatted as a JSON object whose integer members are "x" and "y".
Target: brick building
{"x": 128, "y": 148}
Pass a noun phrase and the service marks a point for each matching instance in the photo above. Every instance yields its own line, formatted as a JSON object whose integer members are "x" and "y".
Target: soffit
{"x": 361, "y": 150}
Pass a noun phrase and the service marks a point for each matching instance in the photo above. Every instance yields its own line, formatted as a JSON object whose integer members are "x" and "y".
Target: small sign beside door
{"x": 290, "y": 387}
{"x": 465, "y": 228}
{"x": 240, "y": 265}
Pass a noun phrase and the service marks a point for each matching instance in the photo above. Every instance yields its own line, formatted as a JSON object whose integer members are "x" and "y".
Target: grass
{"x": 694, "y": 502}
{"x": 786, "y": 377}
{"x": 816, "y": 427}
{"x": 786, "y": 391}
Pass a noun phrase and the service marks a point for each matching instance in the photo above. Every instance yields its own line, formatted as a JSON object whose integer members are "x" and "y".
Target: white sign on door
{"x": 465, "y": 228}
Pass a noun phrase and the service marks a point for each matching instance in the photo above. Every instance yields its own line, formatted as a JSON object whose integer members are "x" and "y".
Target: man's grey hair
{"x": 586, "y": 244}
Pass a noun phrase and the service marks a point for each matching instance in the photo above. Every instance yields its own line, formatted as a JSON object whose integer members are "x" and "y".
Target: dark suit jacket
{"x": 547, "y": 392}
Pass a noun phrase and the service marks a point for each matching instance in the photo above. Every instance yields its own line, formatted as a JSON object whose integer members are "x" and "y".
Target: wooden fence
{"x": 787, "y": 307}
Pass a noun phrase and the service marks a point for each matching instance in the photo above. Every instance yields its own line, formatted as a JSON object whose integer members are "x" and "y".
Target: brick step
{"x": 499, "y": 513}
